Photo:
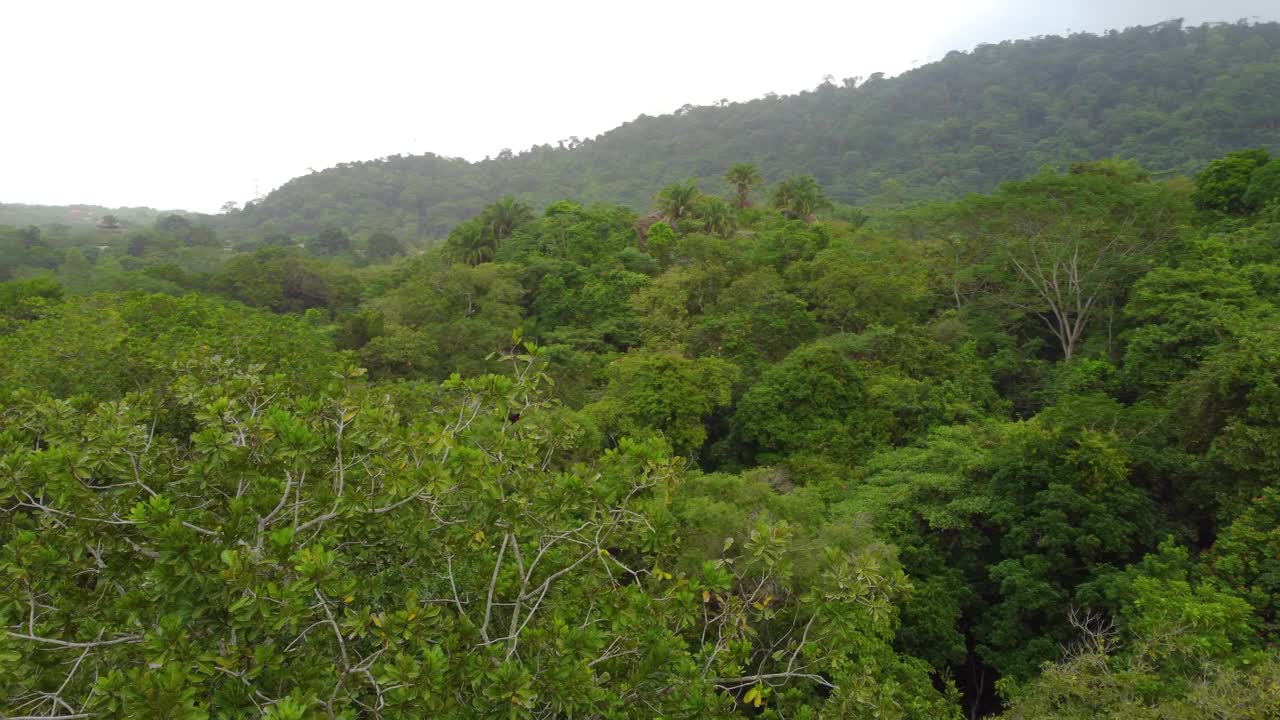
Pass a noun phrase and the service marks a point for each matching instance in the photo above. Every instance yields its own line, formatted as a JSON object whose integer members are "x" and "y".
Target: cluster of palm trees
{"x": 682, "y": 201}
{"x": 799, "y": 197}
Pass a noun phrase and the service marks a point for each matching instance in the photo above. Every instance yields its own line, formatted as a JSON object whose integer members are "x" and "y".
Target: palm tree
{"x": 472, "y": 242}
{"x": 716, "y": 216}
{"x": 743, "y": 178}
{"x": 504, "y": 216}
{"x": 677, "y": 199}
{"x": 799, "y": 197}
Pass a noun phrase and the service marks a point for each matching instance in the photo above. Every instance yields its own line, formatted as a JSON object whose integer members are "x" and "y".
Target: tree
{"x": 383, "y": 246}
{"x": 1264, "y": 187}
{"x": 1066, "y": 247}
{"x": 1222, "y": 185}
{"x": 1181, "y": 651}
{"x": 660, "y": 242}
{"x": 715, "y": 215}
{"x": 677, "y": 200}
{"x": 1178, "y": 315}
{"x": 471, "y": 242}
{"x": 139, "y": 243}
{"x": 229, "y": 207}
{"x": 755, "y": 321}
{"x": 462, "y": 312}
{"x": 1224, "y": 411}
{"x": 799, "y": 197}
{"x": 284, "y": 280}
{"x": 504, "y": 216}
{"x": 1245, "y": 559}
{"x": 331, "y": 241}
{"x": 664, "y": 393}
{"x": 866, "y": 280}
{"x": 743, "y": 179}
{"x": 75, "y": 270}
{"x": 175, "y": 225}
{"x": 476, "y": 241}
{"x": 846, "y": 396}
{"x": 26, "y": 299}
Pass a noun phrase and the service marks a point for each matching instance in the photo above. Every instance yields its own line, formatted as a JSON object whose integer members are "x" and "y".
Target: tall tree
{"x": 743, "y": 178}
{"x": 1065, "y": 246}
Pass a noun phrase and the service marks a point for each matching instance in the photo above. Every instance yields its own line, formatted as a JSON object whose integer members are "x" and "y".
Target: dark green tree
{"x": 383, "y": 246}
{"x": 1222, "y": 185}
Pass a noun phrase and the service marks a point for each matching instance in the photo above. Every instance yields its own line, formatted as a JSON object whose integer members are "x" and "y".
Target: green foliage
{"x": 1227, "y": 410}
{"x": 743, "y": 179}
{"x": 1064, "y": 248}
{"x": 106, "y": 345}
{"x": 677, "y": 200}
{"x": 755, "y": 321}
{"x": 476, "y": 241}
{"x": 660, "y": 241}
{"x": 285, "y": 280}
{"x": 330, "y": 241}
{"x": 664, "y": 393}
{"x": 846, "y": 396}
{"x": 1178, "y": 315}
{"x": 1223, "y": 184}
{"x": 27, "y": 299}
{"x": 1011, "y": 453}
{"x": 498, "y": 571}
{"x": 383, "y": 246}
{"x": 1264, "y": 187}
{"x": 1178, "y": 656}
{"x": 445, "y": 319}
{"x": 799, "y": 197}
{"x": 1246, "y": 560}
{"x": 864, "y": 280}
{"x": 715, "y": 216}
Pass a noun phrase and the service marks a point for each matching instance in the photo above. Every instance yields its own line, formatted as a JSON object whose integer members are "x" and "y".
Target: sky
{"x": 186, "y": 105}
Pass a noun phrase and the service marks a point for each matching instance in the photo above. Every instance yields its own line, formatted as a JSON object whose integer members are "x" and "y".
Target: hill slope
{"x": 1169, "y": 96}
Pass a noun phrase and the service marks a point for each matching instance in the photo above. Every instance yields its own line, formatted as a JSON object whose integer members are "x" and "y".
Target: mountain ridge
{"x": 1171, "y": 97}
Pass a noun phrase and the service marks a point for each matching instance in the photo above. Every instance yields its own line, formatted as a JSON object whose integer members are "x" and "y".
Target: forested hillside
{"x": 1010, "y": 455}
{"x": 1171, "y": 97}
{"x": 18, "y": 215}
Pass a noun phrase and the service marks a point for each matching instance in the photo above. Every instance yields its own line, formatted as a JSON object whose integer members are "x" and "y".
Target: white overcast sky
{"x": 184, "y": 104}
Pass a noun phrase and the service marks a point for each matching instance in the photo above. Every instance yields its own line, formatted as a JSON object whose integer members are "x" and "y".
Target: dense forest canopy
{"x": 742, "y": 449}
{"x": 1171, "y": 97}
{"x": 747, "y": 456}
